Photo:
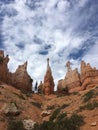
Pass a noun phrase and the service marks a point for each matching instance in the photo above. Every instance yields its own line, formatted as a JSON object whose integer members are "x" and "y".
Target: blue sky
{"x": 62, "y": 30}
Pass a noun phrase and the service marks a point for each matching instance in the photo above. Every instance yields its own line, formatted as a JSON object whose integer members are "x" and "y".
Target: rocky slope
{"x": 17, "y": 105}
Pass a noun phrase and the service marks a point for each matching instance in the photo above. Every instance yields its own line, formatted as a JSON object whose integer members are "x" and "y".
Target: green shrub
{"x": 20, "y": 96}
{"x": 64, "y": 106}
{"x": 65, "y": 90}
{"x": 15, "y": 125}
{"x": 89, "y": 106}
{"x": 74, "y": 122}
{"x": 88, "y": 96}
{"x": 36, "y": 104}
{"x": 62, "y": 123}
{"x": 61, "y": 116}
{"x": 55, "y": 114}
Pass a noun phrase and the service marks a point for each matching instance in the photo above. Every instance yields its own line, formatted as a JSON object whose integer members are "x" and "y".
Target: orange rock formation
{"x": 3, "y": 67}
{"x": 48, "y": 81}
{"x": 20, "y": 79}
{"x": 87, "y": 78}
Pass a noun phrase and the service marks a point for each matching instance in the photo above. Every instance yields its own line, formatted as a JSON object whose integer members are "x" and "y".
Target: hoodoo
{"x": 48, "y": 81}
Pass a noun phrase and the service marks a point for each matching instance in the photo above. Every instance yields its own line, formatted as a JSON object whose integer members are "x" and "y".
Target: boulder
{"x": 28, "y": 124}
{"x": 45, "y": 113}
{"x": 94, "y": 123}
{"x": 11, "y": 109}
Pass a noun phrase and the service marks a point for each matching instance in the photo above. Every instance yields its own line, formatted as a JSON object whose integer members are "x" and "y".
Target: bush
{"x": 89, "y": 106}
{"x": 72, "y": 123}
{"x": 61, "y": 116}
{"x": 36, "y": 104}
{"x": 65, "y": 90}
{"x": 64, "y": 106}
{"x": 15, "y": 125}
{"x": 88, "y": 96}
{"x": 55, "y": 114}
{"x": 20, "y": 96}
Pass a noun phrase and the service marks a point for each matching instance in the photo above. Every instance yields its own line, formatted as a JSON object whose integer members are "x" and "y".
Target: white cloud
{"x": 56, "y": 23}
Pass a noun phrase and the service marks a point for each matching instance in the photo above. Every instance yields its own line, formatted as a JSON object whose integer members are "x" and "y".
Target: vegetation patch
{"x": 27, "y": 93}
{"x": 36, "y": 104}
{"x": 61, "y": 116}
{"x": 62, "y": 123}
{"x": 20, "y": 96}
{"x": 65, "y": 90}
{"x": 89, "y": 95}
{"x": 89, "y": 106}
{"x": 55, "y": 114}
{"x": 15, "y": 125}
{"x": 64, "y": 106}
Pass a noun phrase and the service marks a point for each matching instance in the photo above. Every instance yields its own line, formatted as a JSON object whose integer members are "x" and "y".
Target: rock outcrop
{"x": 71, "y": 80}
{"x": 11, "y": 109}
{"x": 3, "y": 67}
{"x": 45, "y": 113}
{"x": 20, "y": 79}
{"x": 48, "y": 85}
{"x": 40, "y": 88}
{"x": 87, "y": 78}
{"x": 28, "y": 124}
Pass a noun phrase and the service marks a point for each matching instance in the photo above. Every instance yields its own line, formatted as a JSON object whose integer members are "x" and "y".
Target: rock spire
{"x": 48, "y": 80}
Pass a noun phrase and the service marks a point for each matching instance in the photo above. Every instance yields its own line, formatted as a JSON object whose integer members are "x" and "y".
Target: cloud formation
{"x": 62, "y": 30}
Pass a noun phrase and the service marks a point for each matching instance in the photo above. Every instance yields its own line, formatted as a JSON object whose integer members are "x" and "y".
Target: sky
{"x": 33, "y": 30}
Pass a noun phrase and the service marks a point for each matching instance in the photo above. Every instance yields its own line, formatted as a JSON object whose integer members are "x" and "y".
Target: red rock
{"x": 3, "y": 67}
{"x": 71, "y": 80}
{"x": 87, "y": 78}
{"x": 20, "y": 79}
{"x": 48, "y": 81}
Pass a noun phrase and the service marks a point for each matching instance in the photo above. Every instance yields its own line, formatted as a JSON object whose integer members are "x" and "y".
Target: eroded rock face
{"x": 28, "y": 124}
{"x": 20, "y": 79}
{"x": 40, "y": 88}
{"x": 87, "y": 78}
{"x": 45, "y": 113}
{"x": 3, "y": 67}
{"x": 48, "y": 85}
{"x": 71, "y": 80}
